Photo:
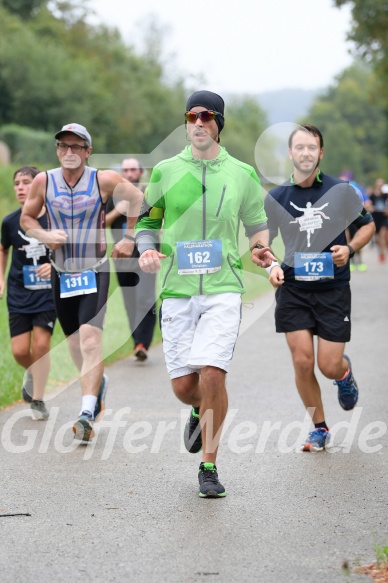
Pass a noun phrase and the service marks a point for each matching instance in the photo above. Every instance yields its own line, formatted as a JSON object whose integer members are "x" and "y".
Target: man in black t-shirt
{"x": 312, "y": 211}
{"x": 29, "y": 297}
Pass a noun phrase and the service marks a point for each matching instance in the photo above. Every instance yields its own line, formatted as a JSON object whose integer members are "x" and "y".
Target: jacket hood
{"x": 214, "y": 164}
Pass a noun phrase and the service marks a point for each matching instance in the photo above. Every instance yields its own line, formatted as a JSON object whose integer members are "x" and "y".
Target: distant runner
{"x": 29, "y": 297}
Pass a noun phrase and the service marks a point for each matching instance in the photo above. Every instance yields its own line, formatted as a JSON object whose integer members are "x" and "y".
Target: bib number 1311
{"x": 76, "y": 281}
{"x": 76, "y": 284}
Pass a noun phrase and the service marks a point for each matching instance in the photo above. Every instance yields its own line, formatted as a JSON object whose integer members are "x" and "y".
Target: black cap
{"x": 211, "y": 101}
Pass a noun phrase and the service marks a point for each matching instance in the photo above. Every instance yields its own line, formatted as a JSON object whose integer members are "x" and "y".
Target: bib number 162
{"x": 199, "y": 257}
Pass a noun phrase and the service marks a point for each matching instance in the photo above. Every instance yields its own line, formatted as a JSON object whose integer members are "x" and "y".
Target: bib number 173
{"x": 313, "y": 266}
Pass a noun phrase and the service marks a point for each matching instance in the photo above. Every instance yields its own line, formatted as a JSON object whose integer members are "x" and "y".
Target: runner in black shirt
{"x": 312, "y": 211}
{"x": 29, "y": 297}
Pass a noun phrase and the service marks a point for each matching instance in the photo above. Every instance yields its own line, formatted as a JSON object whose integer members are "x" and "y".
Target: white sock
{"x": 88, "y": 404}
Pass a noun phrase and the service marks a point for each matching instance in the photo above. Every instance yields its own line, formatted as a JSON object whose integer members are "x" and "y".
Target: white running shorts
{"x": 200, "y": 331}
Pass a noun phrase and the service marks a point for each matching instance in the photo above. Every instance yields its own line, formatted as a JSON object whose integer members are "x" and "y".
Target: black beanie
{"x": 211, "y": 101}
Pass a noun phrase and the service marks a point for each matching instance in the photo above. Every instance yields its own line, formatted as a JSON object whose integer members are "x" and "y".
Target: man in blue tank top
{"x": 75, "y": 196}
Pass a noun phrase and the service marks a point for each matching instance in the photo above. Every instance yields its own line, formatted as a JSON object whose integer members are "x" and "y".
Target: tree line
{"x": 55, "y": 67}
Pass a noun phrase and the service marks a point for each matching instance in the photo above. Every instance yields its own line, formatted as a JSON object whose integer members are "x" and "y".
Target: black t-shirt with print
{"x": 20, "y": 299}
{"x": 311, "y": 220}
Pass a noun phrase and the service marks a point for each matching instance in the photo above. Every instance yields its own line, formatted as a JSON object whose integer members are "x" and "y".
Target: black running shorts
{"x": 326, "y": 313}
{"x": 85, "y": 309}
{"x": 21, "y": 323}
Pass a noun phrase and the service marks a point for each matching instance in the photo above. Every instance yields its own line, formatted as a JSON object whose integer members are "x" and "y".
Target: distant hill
{"x": 286, "y": 105}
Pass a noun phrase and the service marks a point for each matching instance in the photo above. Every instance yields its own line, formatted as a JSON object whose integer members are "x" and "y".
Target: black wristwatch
{"x": 257, "y": 246}
{"x": 352, "y": 251}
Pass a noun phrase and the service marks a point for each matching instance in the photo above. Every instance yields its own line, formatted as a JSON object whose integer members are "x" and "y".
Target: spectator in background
{"x": 378, "y": 206}
{"x": 138, "y": 287}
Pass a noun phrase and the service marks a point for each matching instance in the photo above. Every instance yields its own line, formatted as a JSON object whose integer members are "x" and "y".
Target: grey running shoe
{"x": 83, "y": 427}
{"x": 27, "y": 387}
{"x": 209, "y": 484}
{"x": 100, "y": 404}
{"x": 192, "y": 436}
{"x": 39, "y": 411}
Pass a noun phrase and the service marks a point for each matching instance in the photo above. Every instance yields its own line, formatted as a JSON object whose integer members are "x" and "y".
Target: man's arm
{"x": 261, "y": 252}
{"x": 30, "y": 212}
{"x": 341, "y": 253}
{"x": 147, "y": 237}
{"x": 3, "y": 265}
{"x": 118, "y": 211}
{"x": 111, "y": 183}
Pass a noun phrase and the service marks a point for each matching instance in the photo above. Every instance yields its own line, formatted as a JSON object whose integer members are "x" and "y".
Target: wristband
{"x": 129, "y": 237}
{"x": 273, "y": 264}
{"x": 352, "y": 251}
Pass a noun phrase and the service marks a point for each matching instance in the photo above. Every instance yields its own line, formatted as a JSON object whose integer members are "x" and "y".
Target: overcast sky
{"x": 247, "y": 46}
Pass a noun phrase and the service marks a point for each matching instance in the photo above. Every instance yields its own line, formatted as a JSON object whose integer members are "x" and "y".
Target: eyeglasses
{"x": 207, "y": 115}
{"x": 73, "y": 147}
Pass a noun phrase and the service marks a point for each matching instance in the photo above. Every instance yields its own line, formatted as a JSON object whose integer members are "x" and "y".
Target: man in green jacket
{"x": 199, "y": 197}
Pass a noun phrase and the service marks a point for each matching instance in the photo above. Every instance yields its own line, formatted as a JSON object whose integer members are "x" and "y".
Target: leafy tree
{"x": 24, "y": 8}
{"x": 244, "y": 122}
{"x": 56, "y": 68}
{"x": 370, "y": 25}
{"x": 353, "y": 124}
{"x": 369, "y": 32}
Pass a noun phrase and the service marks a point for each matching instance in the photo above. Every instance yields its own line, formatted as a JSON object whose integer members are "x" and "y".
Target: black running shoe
{"x": 140, "y": 353}
{"x": 83, "y": 427}
{"x": 209, "y": 484}
{"x": 193, "y": 435}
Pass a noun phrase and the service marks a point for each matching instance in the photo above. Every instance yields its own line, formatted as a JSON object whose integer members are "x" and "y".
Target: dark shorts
{"x": 326, "y": 313}
{"x": 381, "y": 220}
{"x": 85, "y": 309}
{"x": 22, "y": 323}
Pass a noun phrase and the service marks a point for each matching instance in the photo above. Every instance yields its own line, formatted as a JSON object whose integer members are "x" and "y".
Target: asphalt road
{"x": 125, "y": 508}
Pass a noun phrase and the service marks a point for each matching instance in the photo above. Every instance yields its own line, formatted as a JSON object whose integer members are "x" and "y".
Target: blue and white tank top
{"x": 80, "y": 212}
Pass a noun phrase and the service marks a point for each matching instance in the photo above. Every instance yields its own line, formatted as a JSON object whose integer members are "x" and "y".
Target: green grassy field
{"x": 116, "y": 337}
{"x": 116, "y": 341}
{"x": 116, "y": 345}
